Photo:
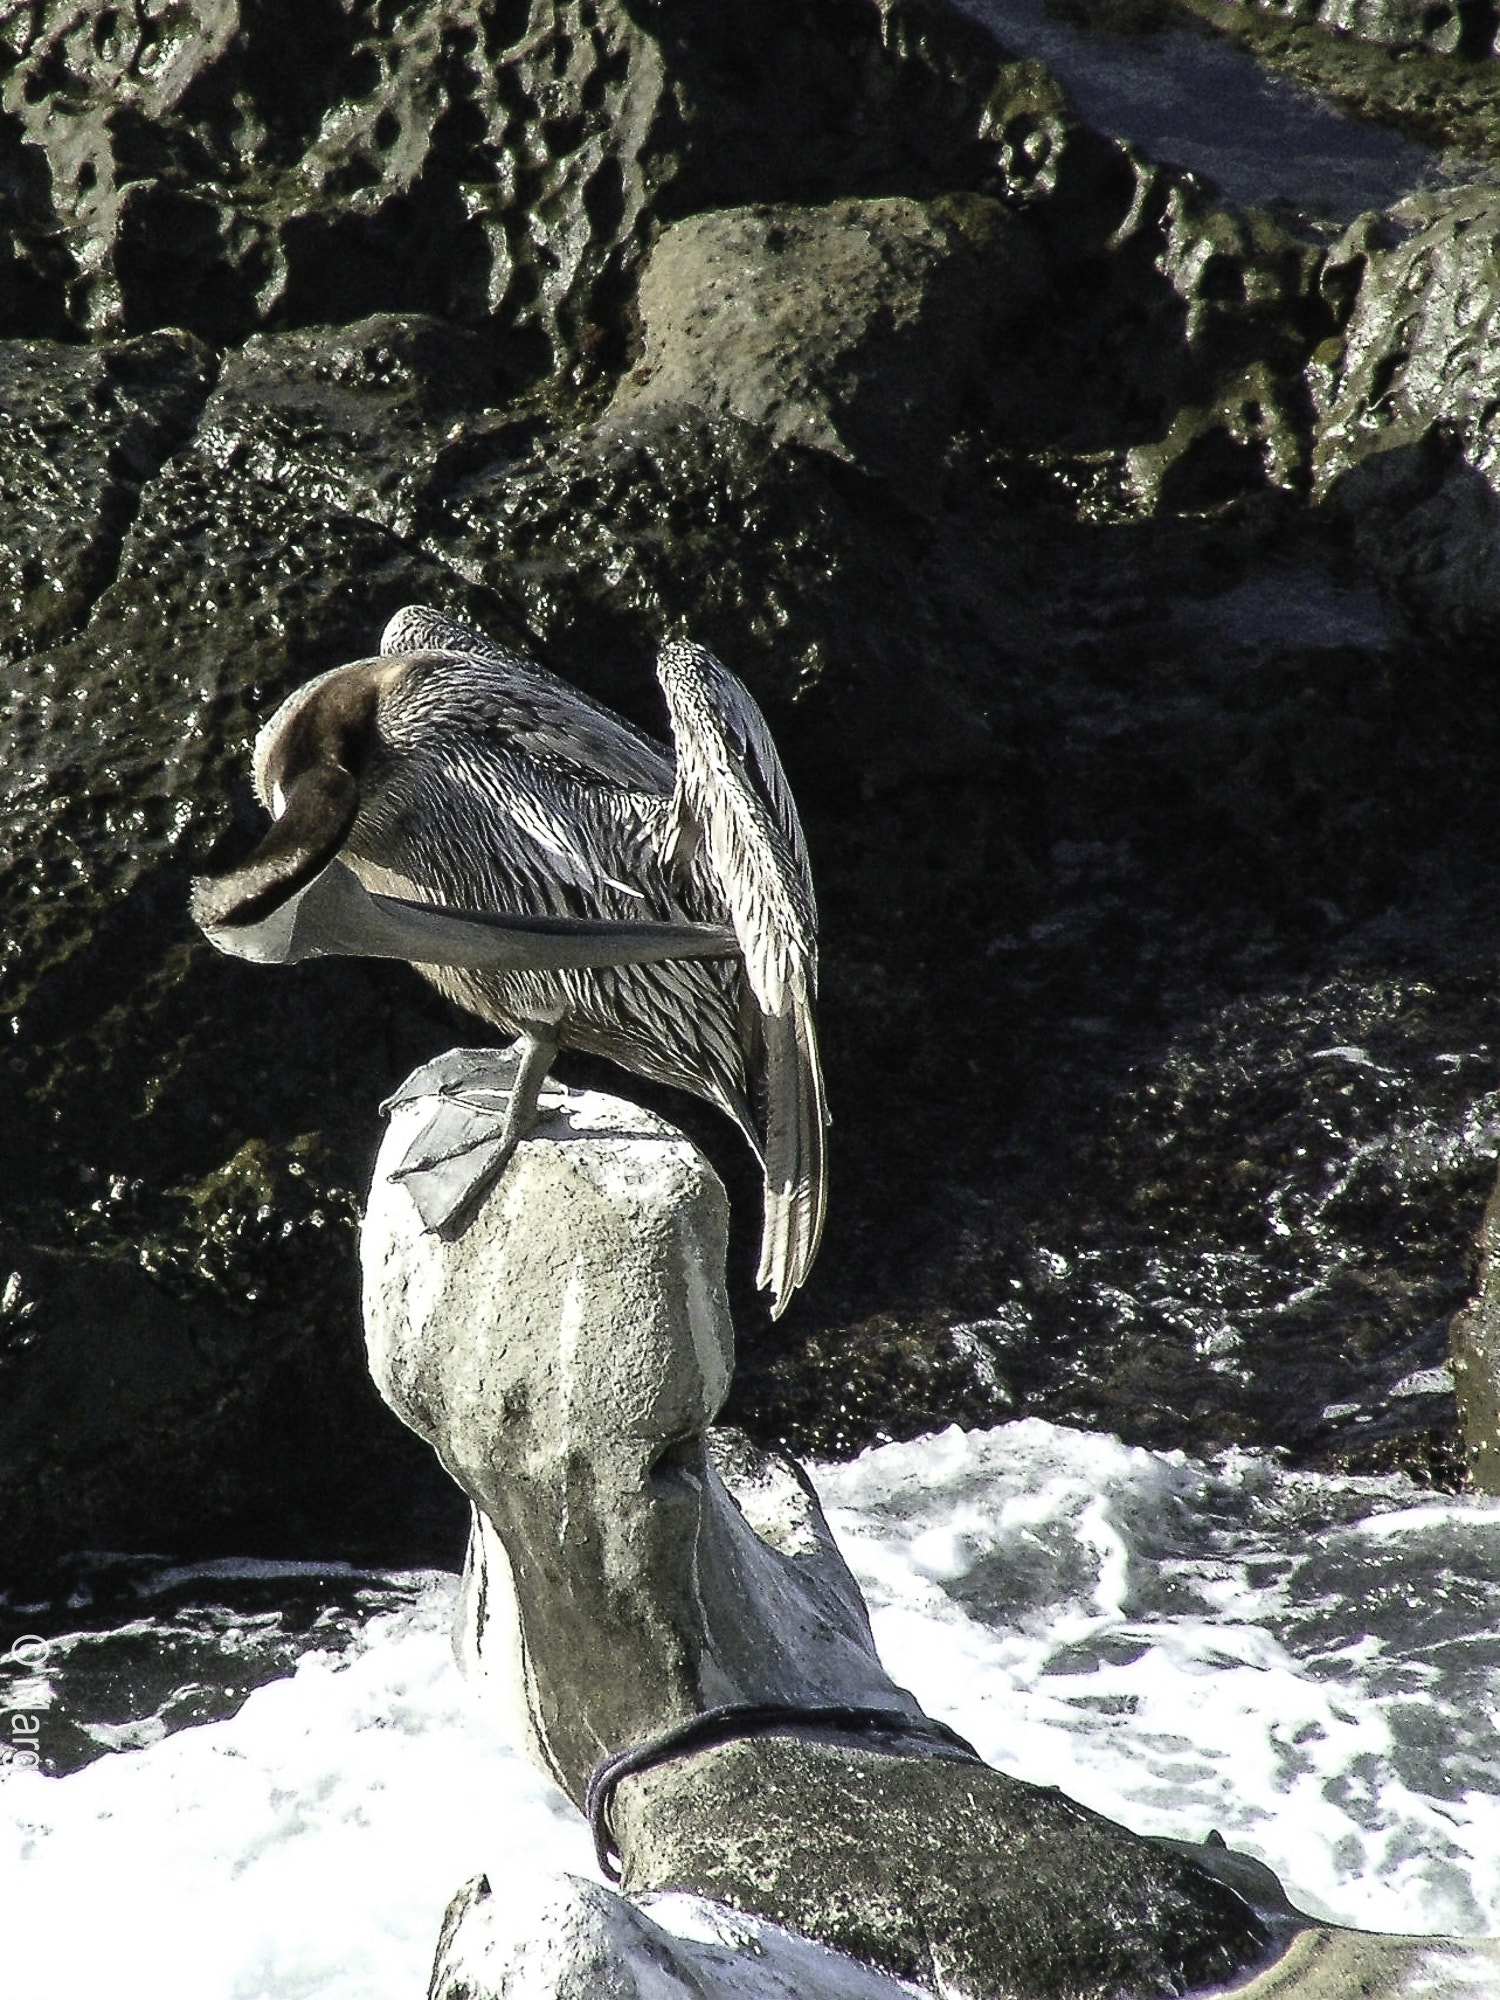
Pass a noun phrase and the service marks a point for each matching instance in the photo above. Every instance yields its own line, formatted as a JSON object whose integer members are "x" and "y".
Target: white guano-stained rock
{"x": 565, "y": 1356}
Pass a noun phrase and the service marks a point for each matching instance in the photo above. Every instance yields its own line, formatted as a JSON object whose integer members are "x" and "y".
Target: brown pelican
{"x": 556, "y": 873}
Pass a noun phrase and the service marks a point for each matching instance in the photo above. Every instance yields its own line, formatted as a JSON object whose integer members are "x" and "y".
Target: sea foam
{"x": 1307, "y": 1665}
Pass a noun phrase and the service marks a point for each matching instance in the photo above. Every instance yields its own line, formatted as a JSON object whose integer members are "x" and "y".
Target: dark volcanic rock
{"x": 81, "y": 431}
{"x": 262, "y": 545}
{"x": 1445, "y": 26}
{"x": 858, "y": 329}
{"x": 973, "y": 1882}
{"x": 1424, "y": 71}
{"x": 173, "y": 1197}
{"x": 269, "y": 162}
{"x": 1136, "y": 785}
{"x": 1407, "y": 442}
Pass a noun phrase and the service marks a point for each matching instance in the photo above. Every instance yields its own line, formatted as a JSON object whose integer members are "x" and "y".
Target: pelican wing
{"x": 733, "y": 800}
{"x": 542, "y": 715}
{"x": 719, "y": 731}
{"x": 732, "y": 805}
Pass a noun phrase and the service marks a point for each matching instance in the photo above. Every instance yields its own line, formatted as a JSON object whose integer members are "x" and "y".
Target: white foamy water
{"x": 1311, "y": 1666}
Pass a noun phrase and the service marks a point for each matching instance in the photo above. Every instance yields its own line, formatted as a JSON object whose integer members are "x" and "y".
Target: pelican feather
{"x": 594, "y": 892}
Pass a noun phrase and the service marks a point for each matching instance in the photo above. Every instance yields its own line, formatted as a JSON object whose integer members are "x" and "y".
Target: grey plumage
{"x": 450, "y": 771}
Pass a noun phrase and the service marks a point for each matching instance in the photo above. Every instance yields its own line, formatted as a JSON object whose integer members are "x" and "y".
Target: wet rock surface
{"x": 952, "y": 1876}
{"x": 1407, "y": 406}
{"x": 734, "y": 307}
{"x": 145, "y": 1647}
{"x": 1466, "y": 26}
{"x": 1427, "y": 73}
{"x": 631, "y": 1571}
{"x": 259, "y": 163}
{"x": 1147, "y": 758}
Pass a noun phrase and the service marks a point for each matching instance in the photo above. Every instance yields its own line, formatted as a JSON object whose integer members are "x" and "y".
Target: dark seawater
{"x": 1184, "y": 97}
{"x": 283, "y": 1799}
{"x": 134, "y": 1648}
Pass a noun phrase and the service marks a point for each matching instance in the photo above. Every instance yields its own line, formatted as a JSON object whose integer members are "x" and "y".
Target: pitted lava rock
{"x": 1115, "y": 570}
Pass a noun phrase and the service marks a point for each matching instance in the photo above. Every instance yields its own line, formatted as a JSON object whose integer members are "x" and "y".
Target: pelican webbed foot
{"x": 466, "y": 1144}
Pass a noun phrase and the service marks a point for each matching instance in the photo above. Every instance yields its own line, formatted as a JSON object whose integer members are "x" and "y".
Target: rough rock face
{"x": 1135, "y": 784}
{"x": 1444, "y": 26}
{"x": 1407, "y": 405}
{"x": 268, "y": 162}
{"x": 194, "y": 1174}
{"x": 959, "y": 1879}
{"x": 82, "y": 430}
{"x": 736, "y": 324}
